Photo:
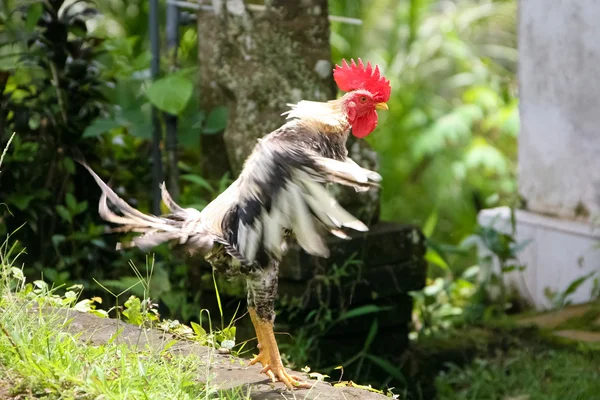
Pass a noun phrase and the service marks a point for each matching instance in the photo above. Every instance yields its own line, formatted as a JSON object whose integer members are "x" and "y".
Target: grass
{"x": 527, "y": 373}
{"x": 39, "y": 359}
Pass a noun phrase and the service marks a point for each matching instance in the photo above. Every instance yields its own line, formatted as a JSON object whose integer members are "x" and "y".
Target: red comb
{"x": 353, "y": 77}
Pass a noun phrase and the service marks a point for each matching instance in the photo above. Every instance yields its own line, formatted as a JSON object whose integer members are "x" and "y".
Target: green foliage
{"x": 52, "y": 92}
{"x": 449, "y": 139}
{"x": 171, "y": 93}
{"x": 561, "y": 299}
{"x": 444, "y": 303}
{"x": 448, "y": 144}
{"x": 497, "y": 253}
{"x": 524, "y": 374}
{"x": 76, "y": 88}
{"x": 334, "y": 308}
{"x": 470, "y": 295}
{"x": 40, "y": 358}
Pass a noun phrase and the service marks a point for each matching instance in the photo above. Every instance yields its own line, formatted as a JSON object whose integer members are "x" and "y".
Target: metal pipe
{"x": 157, "y": 171}
{"x": 256, "y": 7}
{"x": 170, "y": 119}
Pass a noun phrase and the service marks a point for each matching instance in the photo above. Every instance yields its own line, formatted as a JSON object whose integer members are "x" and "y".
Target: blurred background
{"x": 76, "y": 79}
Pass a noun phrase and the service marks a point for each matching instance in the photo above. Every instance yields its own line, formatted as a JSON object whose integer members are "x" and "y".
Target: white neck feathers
{"x": 329, "y": 116}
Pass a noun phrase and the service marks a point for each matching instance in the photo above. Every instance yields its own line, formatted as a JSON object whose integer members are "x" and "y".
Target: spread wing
{"x": 281, "y": 190}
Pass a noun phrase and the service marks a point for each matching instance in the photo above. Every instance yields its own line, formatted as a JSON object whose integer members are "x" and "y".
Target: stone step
{"x": 555, "y": 318}
{"x": 225, "y": 371}
{"x": 579, "y": 336}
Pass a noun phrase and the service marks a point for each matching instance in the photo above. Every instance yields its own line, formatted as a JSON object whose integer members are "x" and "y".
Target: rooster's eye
{"x": 363, "y": 99}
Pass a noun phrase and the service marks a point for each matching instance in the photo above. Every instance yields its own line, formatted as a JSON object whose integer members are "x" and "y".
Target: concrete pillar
{"x": 559, "y": 87}
{"x": 559, "y": 147}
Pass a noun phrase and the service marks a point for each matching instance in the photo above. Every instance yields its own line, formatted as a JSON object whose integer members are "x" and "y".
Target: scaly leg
{"x": 269, "y": 356}
{"x": 263, "y": 356}
{"x": 262, "y": 289}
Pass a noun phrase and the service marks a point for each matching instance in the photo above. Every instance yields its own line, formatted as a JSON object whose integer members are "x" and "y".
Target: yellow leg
{"x": 263, "y": 356}
{"x": 269, "y": 356}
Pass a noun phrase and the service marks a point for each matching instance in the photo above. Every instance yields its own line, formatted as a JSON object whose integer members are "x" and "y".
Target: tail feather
{"x": 182, "y": 225}
{"x": 168, "y": 200}
{"x": 134, "y": 216}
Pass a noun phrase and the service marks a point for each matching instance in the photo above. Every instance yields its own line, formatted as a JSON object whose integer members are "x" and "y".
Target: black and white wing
{"x": 282, "y": 189}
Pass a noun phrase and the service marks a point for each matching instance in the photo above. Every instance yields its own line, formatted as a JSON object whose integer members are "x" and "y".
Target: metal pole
{"x": 255, "y": 7}
{"x": 170, "y": 119}
{"x": 157, "y": 172}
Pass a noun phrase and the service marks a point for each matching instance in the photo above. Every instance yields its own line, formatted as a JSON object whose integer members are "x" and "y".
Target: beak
{"x": 381, "y": 106}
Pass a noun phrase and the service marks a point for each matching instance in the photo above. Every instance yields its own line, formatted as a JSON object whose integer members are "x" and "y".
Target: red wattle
{"x": 363, "y": 126}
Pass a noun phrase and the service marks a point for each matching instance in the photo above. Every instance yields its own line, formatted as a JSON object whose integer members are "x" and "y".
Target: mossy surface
{"x": 455, "y": 365}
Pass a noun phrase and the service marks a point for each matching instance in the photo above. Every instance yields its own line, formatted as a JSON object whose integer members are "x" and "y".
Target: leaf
{"x": 17, "y": 273}
{"x": 484, "y": 97}
{"x": 216, "y": 121}
{"x": 228, "y": 344}
{"x": 429, "y": 226}
{"x": 171, "y": 93}
{"x": 229, "y": 332}
{"x": 511, "y": 268}
{"x": 33, "y": 15}
{"x": 190, "y": 125}
{"x": 198, "y": 330}
{"x": 40, "y": 284}
{"x": 576, "y": 284}
{"x": 133, "y": 311}
{"x": 69, "y": 165}
{"x": 362, "y": 310}
{"x": 84, "y": 306}
{"x": 518, "y": 247}
{"x": 64, "y": 213}
{"x": 319, "y": 377}
{"x": 75, "y": 288}
{"x": 481, "y": 154}
{"x": 471, "y": 272}
{"x": 436, "y": 287}
{"x": 81, "y": 207}
{"x": 99, "y": 313}
{"x": 137, "y": 120}
{"x": 435, "y": 258}
{"x": 57, "y": 240}
{"x": 71, "y": 202}
{"x": 198, "y": 180}
{"x": 100, "y": 126}
{"x": 168, "y": 346}
{"x": 387, "y": 367}
{"x": 371, "y": 335}
{"x": 21, "y": 201}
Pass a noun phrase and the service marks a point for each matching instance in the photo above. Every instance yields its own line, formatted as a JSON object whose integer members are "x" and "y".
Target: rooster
{"x": 280, "y": 191}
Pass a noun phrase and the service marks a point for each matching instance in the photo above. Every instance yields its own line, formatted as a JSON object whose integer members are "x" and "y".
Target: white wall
{"x": 559, "y": 85}
{"x": 560, "y": 252}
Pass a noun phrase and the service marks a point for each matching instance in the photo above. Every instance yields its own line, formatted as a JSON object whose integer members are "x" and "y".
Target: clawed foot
{"x": 263, "y": 359}
{"x": 279, "y": 374}
{"x": 268, "y": 355}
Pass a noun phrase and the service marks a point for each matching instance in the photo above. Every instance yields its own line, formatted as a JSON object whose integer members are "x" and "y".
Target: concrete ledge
{"x": 561, "y": 251}
{"x": 501, "y": 218}
{"x": 225, "y": 371}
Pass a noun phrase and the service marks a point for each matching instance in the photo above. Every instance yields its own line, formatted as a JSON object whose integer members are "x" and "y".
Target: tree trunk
{"x": 256, "y": 62}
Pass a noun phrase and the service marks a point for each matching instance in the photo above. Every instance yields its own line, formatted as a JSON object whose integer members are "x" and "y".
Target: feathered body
{"x": 280, "y": 191}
